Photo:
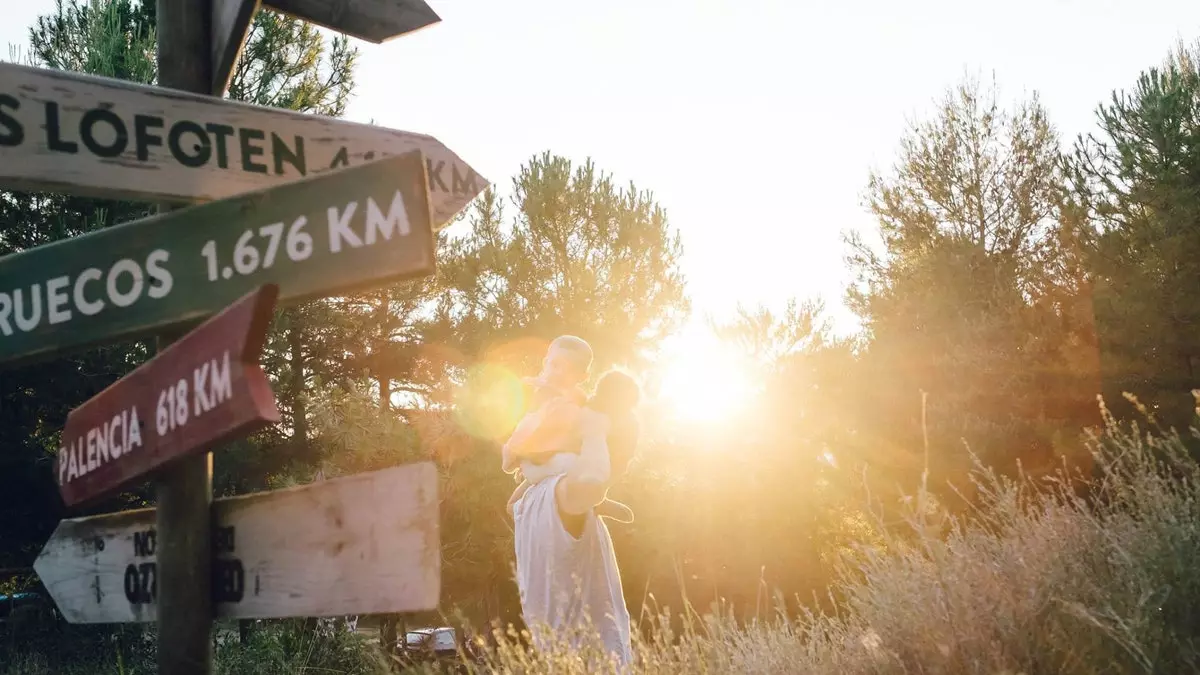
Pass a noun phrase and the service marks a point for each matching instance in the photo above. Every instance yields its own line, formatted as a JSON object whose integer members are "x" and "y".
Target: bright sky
{"x": 754, "y": 122}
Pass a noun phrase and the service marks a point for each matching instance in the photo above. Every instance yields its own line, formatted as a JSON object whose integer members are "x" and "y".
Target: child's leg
{"x": 614, "y": 510}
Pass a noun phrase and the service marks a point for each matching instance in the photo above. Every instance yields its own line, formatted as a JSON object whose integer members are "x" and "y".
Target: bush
{"x": 274, "y": 648}
{"x": 1038, "y": 580}
{"x": 294, "y": 646}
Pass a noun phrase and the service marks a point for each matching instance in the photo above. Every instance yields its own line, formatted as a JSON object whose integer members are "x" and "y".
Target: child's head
{"x": 567, "y": 362}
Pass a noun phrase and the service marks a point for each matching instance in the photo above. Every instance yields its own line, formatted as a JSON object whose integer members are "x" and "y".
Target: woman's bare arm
{"x": 586, "y": 483}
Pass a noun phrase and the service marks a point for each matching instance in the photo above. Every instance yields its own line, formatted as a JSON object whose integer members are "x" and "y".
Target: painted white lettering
{"x": 28, "y": 323}
{"x": 86, "y": 307}
{"x": 5, "y": 312}
{"x": 201, "y": 402}
{"x": 222, "y": 386}
{"x": 124, "y": 266}
{"x": 91, "y": 451}
{"x": 339, "y": 228}
{"x": 66, "y": 297}
{"x": 56, "y": 297}
{"x": 135, "y": 431}
{"x": 102, "y": 455}
{"x": 72, "y": 463}
{"x": 63, "y": 463}
{"x": 124, "y": 432}
{"x": 114, "y": 439}
{"x": 396, "y": 220}
{"x": 162, "y": 281}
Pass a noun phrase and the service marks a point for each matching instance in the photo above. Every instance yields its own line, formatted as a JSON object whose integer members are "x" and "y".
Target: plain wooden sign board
{"x": 337, "y": 233}
{"x": 371, "y": 20}
{"x": 204, "y": 388}
{"x": 230, "y": 23}
{"x": 364, "y": 544}
{"x": 101, "y": 137}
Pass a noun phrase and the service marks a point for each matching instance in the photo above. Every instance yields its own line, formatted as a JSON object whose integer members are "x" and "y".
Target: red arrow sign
{"x": 204, "y": 388}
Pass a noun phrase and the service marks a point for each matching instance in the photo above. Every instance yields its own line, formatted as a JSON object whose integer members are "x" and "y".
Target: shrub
{"x": 1038, "y": 580}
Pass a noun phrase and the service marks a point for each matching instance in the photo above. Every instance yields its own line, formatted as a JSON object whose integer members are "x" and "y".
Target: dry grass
{"x": 1038, "y": 581}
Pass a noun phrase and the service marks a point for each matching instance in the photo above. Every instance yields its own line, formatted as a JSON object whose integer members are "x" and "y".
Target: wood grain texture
{"x": 100, "y": 137}
{"x": 344, "y": 231}
{"x": 210, "y": 385}
{"x": 230, "y": 22}
{"x": 363, "y": 544}
{"x": 371, "y": 20}
{"x": 183, "y": 491}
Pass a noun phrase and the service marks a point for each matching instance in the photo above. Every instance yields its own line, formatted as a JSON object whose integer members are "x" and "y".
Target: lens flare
{"x": 490, "y": 402}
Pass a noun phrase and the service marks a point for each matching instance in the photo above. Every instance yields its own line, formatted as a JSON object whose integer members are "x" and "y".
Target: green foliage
{"x": 582, "y": 256}
{"x": 115, "y": 38}
{"x": 293, "y": 646}
{"x": 1138, "y": 181}
{"x": 962, "y": 304}
{"x": 272, "y": 647}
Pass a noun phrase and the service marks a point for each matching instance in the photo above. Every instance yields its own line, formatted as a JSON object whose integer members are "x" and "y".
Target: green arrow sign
{"x": 345, "y": 231}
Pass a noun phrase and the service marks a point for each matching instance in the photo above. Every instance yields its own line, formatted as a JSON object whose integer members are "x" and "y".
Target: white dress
{"x": 566, "y": 584}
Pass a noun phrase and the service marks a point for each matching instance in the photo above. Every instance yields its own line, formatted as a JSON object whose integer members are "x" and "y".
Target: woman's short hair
{"x": 617, "y": 394}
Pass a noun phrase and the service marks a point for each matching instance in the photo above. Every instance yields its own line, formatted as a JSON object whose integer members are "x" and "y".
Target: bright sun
{"x": 703, "y": 379}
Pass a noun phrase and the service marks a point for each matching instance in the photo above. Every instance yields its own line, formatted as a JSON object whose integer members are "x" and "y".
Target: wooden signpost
{"x": 340, "y": 232}
{"x": 102, "y": 137}
{"x": 204, "y": 388}
{"x": 363, "y": 544}
{"x": 293, "y": 207}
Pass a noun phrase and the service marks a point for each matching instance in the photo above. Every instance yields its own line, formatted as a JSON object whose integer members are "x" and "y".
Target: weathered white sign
{"x": 107, "y": 138}
{"x": 363, "y": 544}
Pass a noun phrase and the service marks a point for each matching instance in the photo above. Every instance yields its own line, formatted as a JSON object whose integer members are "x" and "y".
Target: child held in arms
{"x": 548, "y": 440}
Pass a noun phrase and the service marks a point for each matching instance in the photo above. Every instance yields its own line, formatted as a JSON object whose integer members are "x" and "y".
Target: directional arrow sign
{"x": 204, "y": 388}
{"x": 371, "y": 20}
{"x": 364, "y": 544}
{"x": 344, "y": 231}
{"x": 106, "y": 138}
{"x": 230, "y": 21}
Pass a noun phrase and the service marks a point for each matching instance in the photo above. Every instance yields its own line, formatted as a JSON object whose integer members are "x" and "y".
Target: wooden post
{"x": 387, "y": 633}
{"x": 184, "y": 564}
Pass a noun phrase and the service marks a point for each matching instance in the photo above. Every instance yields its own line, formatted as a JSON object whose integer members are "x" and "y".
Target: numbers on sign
{"x": 299, "y": 242}
{"x": 141, "y": 583}
{"x": 181, "y": 402}
{"x": 210, "y": 256}
{"x": 298, "y": 245}
{"x": 245, "y": 256}
{"x": 273, "y": 233}
{"x": 172, "y": 410}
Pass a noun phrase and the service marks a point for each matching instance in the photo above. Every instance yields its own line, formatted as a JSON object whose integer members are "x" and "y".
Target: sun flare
{"x": 703, "y": 379}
